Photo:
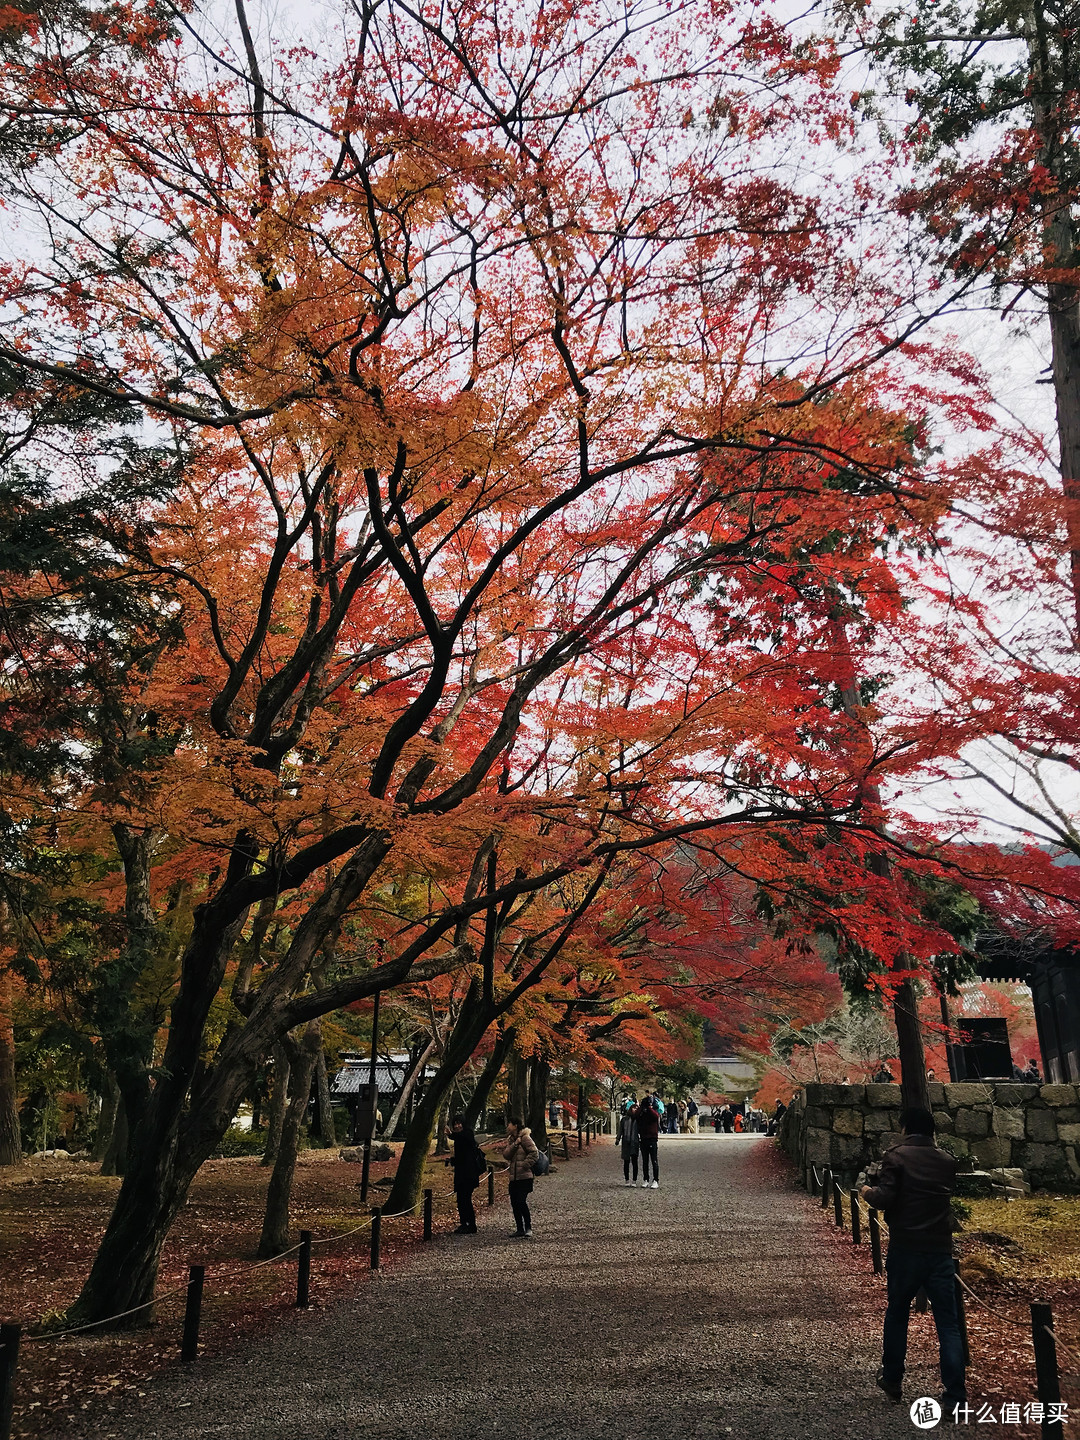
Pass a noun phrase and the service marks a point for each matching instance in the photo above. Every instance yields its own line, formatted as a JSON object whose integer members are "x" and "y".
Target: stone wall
{"x": 988, "y": 1125}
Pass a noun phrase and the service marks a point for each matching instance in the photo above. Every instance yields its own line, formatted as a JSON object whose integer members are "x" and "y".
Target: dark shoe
{"x": 894, "y": 1392}
{"x": 471, "y": 1230}
{"x": 463, "y": 1230}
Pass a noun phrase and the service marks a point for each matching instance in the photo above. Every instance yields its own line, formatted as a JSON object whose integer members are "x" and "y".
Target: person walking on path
{"x": 519, "y": 1152}
{"x": 469, "y": 1165}
{"x": 628, "y": 1141}
{"x": 915, "y": 1190}
{"x": 692, "y": 1116}
{"x": 648, "y": 1128}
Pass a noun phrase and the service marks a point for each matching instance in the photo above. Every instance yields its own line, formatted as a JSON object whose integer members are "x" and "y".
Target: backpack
{"x": 542, "y": 1164}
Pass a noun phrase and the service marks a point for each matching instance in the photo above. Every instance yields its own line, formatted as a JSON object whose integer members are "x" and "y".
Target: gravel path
{"x": 717, "y": 1305}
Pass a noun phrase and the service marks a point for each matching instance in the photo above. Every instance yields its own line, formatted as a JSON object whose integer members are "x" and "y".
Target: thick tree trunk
{"x": 277, "y": 1106}
{"x": 914, "y": 1088}
{"x": 442, "y": 1143}
{"x": 10, "y": 1135}
{"x": 473, "y": 1019}
{"x": 324, "y": 1110}
{"x": 536, "y": 1118}
{"x": 303, "y": 1057}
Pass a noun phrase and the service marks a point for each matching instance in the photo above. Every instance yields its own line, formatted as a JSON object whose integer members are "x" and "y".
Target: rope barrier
{"x": 1000, "y": 1314}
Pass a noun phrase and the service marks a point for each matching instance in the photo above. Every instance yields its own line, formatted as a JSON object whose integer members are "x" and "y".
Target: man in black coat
{"x": 469, "y": 1165}
{"x": 915, "y": 1192}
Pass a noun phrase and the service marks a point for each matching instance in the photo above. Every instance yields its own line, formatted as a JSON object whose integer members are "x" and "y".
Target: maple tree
{"x": 491, "y": 469}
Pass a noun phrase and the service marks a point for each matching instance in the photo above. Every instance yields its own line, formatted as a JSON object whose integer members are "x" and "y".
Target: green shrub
{"x": 961, "y": 1210}
{"x": 236, "y": 1142}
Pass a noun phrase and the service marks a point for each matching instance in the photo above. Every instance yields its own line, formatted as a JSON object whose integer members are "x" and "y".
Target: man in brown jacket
{"x": 915, "y": 1191}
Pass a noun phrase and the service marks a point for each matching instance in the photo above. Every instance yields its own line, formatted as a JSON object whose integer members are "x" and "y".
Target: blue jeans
{"x": 907, "y": 1272}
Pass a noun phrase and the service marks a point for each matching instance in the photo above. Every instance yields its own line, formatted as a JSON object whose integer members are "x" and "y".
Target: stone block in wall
{"x": 1068, "y": 1114}
{"x": 964, "y": 1093}
{"x": 851, "y": 1094}
{"x": 937, "y": 1093}
{"x": 1013, "y": 1092}
{"x": 1041, "y": 1125}
{"x": 883, "y": 1095}
{"x": 1008, "y": 1124}
{"x": 1041, "y": 1163}
{"x": 847, "y": 1122}
{"x": 819, "y": 1116}
{"x": 955, "y": 1147}
{"x": 944, "y": 1124}
{"x": 817, "y": 1146}
{"x": 845, "y": 1150}
{"x": 973, "y": 1123}
{"x": 991, "y": 1154}
{"x": 1058, "y": 1094}
{"x": 1068, "y": 1134}
{"x": 823, "y": 1094}
{"x": 875, "y": 1121}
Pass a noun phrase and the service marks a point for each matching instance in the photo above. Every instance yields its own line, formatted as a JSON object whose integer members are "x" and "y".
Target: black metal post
{"x": 376, "y": 1237}
{"x": 365, "y": 1168}
{"x": 9, "y": 1359}
{"x": 875, "y": 1242}
{"x": 961, "y": 1313}
{"x": 303, "y": 1269}
{"x": 189, "y": 1345}
{"x": 491, "y": 1186}
{"x": 826, "y": 1187}
{"x": 1047, "y": 1381}
{"x": 428, "y": 1198}
{"x": 838, "y": 1205}
{"x": 856, "y": 1219}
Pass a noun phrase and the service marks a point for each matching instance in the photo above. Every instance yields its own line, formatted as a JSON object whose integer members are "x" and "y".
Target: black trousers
{"x": 519, "y": 1203}
{"x": 466, "y": 1209}
{"x": 648, "y": 1151}
{"x": 627, "y": 1162}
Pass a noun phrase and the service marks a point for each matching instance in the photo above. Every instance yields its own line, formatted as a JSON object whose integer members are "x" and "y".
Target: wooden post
{"x": 376, "y": 1236}
{"x": 856, "y": 1219}
{"x": 838, "y": 1205}
{"x": 588, "y": 1134}
{"x": 826, "y": 1187}
{"x": 579, "y": 1135}
{"x": 9, "y": 1359}
{"x": 961, "y": 1313}
{"x": 875, "y": 1243}
{"x": 189, "y": 1346}
{"x": 566, "y": 1145}
{"x": 428, "y": 1198}
{"x": 303, "y": 1269}
{"x": 811, "y": 1179}
{"x": 491, "y": 1186}
{"x": 1047, "y": 1381}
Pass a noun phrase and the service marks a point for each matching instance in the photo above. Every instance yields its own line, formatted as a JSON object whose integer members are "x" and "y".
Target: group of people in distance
{"x": 638, "y": 1133}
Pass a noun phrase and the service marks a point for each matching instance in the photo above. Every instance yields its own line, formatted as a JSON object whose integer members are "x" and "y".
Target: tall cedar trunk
{"x": 517, "y": 1087}
{"x": 114, "y": 1161}
{"x": 303, "y": 1058}
{"x": 536, "y": 1115}
{"x": 324, "y": 1110}
{"x": 106, "y": 1121}
{"x": 1063, "y": 300}
{"x": 914, "y": 1088}
{"x": 474, "y": 1110}
{"x": 10, "y": 1136}
{"x": 278, "y": 1104}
